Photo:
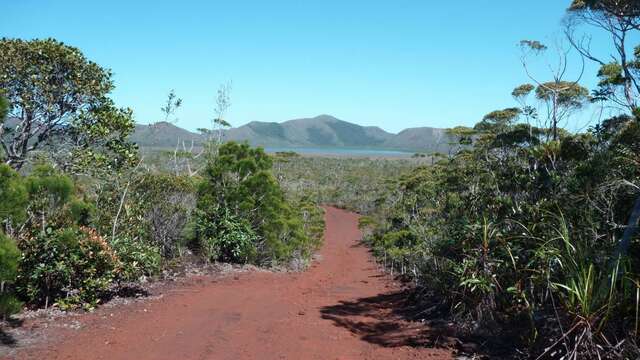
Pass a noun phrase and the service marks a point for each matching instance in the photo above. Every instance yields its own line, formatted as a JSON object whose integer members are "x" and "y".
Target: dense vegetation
{"x": 242, "y": 214}
{"x": 525, "y": 233}
{"x": 529, "y": 236}
{"x": 356, "y": 184}
{"x": 84, "y": 213}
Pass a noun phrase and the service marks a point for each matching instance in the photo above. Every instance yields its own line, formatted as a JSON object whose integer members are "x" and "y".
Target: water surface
{"x": 341, "y": 151}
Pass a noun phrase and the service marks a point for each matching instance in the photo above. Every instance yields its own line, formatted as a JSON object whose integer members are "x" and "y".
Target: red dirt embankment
{"x": 342, "y": 307}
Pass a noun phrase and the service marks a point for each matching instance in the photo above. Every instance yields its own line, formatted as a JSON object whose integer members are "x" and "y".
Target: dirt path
{"x": 341, "y": 308}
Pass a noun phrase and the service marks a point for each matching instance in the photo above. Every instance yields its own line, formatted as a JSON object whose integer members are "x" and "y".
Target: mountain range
{"x": 319, "y": 131}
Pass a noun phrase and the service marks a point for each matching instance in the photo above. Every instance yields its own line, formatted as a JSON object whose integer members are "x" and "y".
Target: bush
{"x": 156, "y": 209}
{"x": 14, "y": 197}
{"x": 9, "y": 256}
{"x": 238, "y": 184}
{"x": 70, "y": 266}
{"x": 523, "y": 232}
{"x": 13, "y": 201}
{"x": 227, "y": 238}
{"x": 166, "y": 204}
{"x": 137, "y": 258}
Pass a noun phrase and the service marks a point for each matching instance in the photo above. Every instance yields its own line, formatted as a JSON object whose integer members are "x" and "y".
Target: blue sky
{"x": 394, "y": 64}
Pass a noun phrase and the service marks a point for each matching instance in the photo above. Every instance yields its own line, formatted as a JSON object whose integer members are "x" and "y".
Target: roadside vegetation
{"x": 524, "y": 234}
{"x": 83, "y": 213}
{"x": 527, "y": 235}
{"x": 356, "y": 184}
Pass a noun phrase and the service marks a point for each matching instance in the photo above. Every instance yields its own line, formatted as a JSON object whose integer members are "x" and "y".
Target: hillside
{"x": 323, "y": 130}
{"x": 162, "y": 134}
{"x": 424, "y": 138}
{"x": 319, "y": 131}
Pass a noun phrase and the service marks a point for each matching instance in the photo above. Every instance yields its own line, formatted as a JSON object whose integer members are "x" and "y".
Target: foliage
{"x": 228, "y": 239}
{"x": 49, "y": 191}
{"x": 239, "y": 184}
{"x": 566, "y": 94}
{"x": 70, "y": 266}
{"x": 522, "y": 226}
{"x": 166, "y": 203}
{"x": 352, "y": 183}
{"x": 148, "y": 207}
{"x": 12, "y": 212}
{"x": 13, "y": 195}
{"x": 9, "y": 256}
{"x": 4, "y": 109}
{"x": 59, "y": 103}
{"x": 136, "y": 258}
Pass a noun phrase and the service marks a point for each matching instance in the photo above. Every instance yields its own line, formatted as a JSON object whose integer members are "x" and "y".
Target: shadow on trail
{"x": 386, "y": 320}
{"x": 6, "y": 338}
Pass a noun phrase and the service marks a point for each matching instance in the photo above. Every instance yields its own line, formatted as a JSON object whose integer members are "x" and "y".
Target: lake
{"x": 341, "y": 151}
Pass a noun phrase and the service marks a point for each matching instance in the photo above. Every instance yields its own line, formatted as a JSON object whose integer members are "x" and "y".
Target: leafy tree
{"x": 620, "y": 19}
{"x": 562, "y": 98}
{"x": 59, "y": 103}
{"x": 623, "y": 8}
{"x": 498, "y": 121}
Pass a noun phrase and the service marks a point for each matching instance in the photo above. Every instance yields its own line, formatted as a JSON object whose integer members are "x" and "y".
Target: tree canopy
{"x": 59, "y": 104}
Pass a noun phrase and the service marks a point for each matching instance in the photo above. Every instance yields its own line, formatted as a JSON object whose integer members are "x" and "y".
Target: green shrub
{"x": 9, "y": 256}
{"x": 156, "y": 209}
{"x": 238, "y": 183}
{"x": 13, "y": 201}
{"x": 227, "y": 238}
{"x": 14, "y": 197}
{"x": 70, "y": 266}
{"x": 519, "y": 229}
{"x": 166, "y": 203}
{"x": 137, "y": 258}
{"x": 49, "y": 192}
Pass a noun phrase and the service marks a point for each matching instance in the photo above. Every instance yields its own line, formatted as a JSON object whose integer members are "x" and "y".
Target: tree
{"x": 620, "y": 19}
{"x": 461, "y": 136}
{"x": 561, "y": 98}
{"x": 172, "y": 104}
{"x": 240, "y": 194}
{"x": 498, "y": 121}
{"x": 59, "y": 104}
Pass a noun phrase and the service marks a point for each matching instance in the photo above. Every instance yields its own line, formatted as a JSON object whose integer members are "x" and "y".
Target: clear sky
{"x": 394, "y": 64}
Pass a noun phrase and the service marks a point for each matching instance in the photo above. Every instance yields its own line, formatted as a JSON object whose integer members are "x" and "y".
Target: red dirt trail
{"x": 342, "y": 307}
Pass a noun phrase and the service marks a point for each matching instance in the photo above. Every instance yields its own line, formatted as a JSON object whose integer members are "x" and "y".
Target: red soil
{"x": 342, "y": 307}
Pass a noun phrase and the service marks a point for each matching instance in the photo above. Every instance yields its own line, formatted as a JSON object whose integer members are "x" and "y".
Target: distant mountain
{"x": 323, "y": 130}
{"x": 163, "y": 135}
{"x": 427, "y": 139}
{"x": 320, "y": 131}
